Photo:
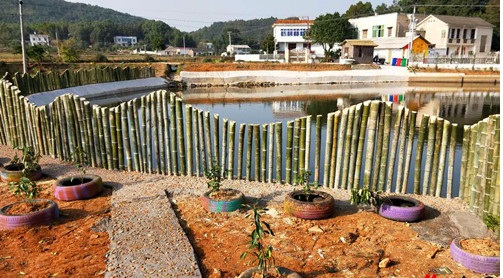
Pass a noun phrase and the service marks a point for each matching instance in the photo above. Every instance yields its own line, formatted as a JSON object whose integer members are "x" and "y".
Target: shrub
{"x": 25, "y": 187}
{"x": 100, "y": 58}
{"x": 149, "y": 58}
{"x": 208, "y": 60}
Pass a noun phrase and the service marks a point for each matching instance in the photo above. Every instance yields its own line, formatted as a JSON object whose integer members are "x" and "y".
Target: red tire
{"x": 475, "y": 263}
{"x": 78, "y": 187}
{"x": 322, "y": 205}
{"x": 41, "y": 217}
{"x": 402, "y": 209}
{"x": 14, "y": 172}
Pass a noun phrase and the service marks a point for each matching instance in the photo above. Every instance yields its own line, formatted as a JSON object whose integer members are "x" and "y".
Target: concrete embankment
{"x": 386, "y": 74}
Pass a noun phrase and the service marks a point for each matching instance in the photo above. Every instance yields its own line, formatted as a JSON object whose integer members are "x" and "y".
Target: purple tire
{"x": 402, "y": 209}
{"x": 475, "y": 263}
{"x": 321, "y": 207}
{"x": 78, "y": 187}
{"x": 41, "y": 217}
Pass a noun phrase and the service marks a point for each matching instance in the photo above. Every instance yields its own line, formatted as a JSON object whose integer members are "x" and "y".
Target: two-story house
{"x": 37, "y": 39}
{"x": 457, "y": 36}
{"x": 238, "y": 49}
{"x": 292, "y": 34}
{"x": 125, "y": 40}
{"x": 383, "y": 25}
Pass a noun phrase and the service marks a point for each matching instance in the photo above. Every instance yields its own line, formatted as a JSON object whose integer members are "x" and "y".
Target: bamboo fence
{"x": 368, "y": 145}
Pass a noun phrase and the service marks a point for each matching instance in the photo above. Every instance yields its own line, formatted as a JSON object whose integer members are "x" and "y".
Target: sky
{"x": 191, "y": 15}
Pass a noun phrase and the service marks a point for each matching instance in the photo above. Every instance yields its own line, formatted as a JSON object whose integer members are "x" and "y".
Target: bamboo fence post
{"x": 91, "y": 139}
{"x": 470, "y": 164}
{"x": 99, "y": 132}
{"x": 70, "y": 124}
{"x": 401, "y": 150}
{"x": 148, "y": 138}
{"x": 340, "y": 146}
{"x": 166, "y": 136}
{"x": 132, "y": 112}
{"x": 79, "y": 106}
{"x": 161, "y": 130}
{"x": 464, "y": 160}
{"x": 216, "y": 138}
{"x": 144, "y": 135}
{"x": 394, "y": 146}
{"x": 442, "y": 156}
{"x": 120, "y": 137}
{"x": 207, "y": 139}
{"x": 436, "y": 154}
{"x": 202, "y": 147}
{"x": 429, "y": 154}
{"x": 190, "y": 139}
{"x": 289, "y": 152}
{"x": 105, "y": 119}
{"x": 4, "y": 114}
{"x": 361, "y": 141}
{"x": 379, "y": 146}
{"x": 270, "y": 150}
{"x": 491, "y": 164}
{"x": 256, "y": 143}
{"x": 494, "y": 208}
{"x": 372, "y": 126}
{"x": 225, "y": 138}
{"x": 452, "y": 152}
{"x": 347, "y": 147}
{"x": 113, "y": 136}
{"x": 64, "y": 128}
{"x": 328, "y": 148}
{"x": 232, "y": 147}
{"x": 173, "y": 135}
{"x": 10, "y": 115}
{"x": 302, "y": 144}
{"x": 55, "y": 131}
{"x": 75, "y": 123}
{"x": 263, "y": 156}
{"x": 317, "y": 150}
{"x": 486, "y": 170}
{"x": 154, "y": 128}
{"x": 333, "y": 158}
{"x": 408, "y": 154}
{"x": 181, "y": 137}
{"x": 126, "y": 127}
{"x": 354, "y": 146}
{"x": 241, "y": 141}
{"x": 308, "y": 142}
{"x": 475, "y": 181}
{"x": 197, "y": 152}
{"x": 419, "y": 153}
{"x": 249, "y": 152}
{"x": 296, "y": 137}
{"x": 279, "y": 151}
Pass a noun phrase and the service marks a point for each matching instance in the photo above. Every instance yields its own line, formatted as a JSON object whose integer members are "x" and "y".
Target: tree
{"x": 70, "y": 51}
{"x": 157, "y": 33}
{"x": 382, "y": 9}
{"x": 492, "y": 15}
{"x": 37, "y": 53}
{"x": 329, "y": 29}
{"x": 359, "y": 9}
{"x": 268, "y": 44}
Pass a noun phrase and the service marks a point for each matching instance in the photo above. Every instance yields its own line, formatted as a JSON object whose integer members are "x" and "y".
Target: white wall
{"x": 388, "y": 20}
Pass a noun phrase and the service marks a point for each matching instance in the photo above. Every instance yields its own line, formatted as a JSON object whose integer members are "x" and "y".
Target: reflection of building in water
{"x": 287, "y": 109}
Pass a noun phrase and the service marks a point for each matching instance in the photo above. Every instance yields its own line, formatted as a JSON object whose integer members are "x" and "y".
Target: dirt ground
{"x": 349, "y": 244}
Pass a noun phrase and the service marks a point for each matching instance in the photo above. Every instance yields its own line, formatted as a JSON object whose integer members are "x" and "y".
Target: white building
{"x": 290, "y": 34}
{"x": 457, "y": 36}
{"x": 125, "y": 40}
{"x": 382, "y": 26}
{"x": 238, "y": 49}
{"x": 36, "y": 39}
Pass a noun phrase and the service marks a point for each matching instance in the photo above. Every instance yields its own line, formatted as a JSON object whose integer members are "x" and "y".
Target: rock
{"x": 315, "y": 229}
{"x": 216, "y": 273}
{"x": 384, "y": 263}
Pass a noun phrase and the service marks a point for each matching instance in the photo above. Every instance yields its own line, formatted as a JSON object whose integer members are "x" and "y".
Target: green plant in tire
{"x": 365, "y": 196}
{"x": 262, "y": 255}
{"x": 79, "y": 156}
{"x": 25, "y": 187}
{"x": 302, "y": 179}
{"x": 492, "y": 222}
{"x": 29, "y": 158}
{"x": 214, "y": 177}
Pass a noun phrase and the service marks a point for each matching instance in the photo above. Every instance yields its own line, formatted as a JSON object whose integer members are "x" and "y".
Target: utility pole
{"x": 183, "y": 46}
{"x": 229, "y": 33}
{"x": 22, "y": 35}
{"x": 57, "y": 42}
{"x": 412, "y": 30}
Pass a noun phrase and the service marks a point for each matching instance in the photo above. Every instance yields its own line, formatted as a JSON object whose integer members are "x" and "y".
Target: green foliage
{"x": 100, "y": 58}
{"x": 329, "y": 29}
{"x": 262, "y": 255}
{"x": 492, "y": 222}
{"x": 214, "y": 177}
{"x": 149, "y": 59}
{"x": 37, "y": 53}
{"x": 25, "y": 187}
{"x": 208, "y": 60}
{"x": 70, "y": 51}
{"x": 364, "y": 196}
{"x": 302, "y": 179}
{"x": 29, "y": 158}
{"x": 268, "y": 44}
{"x": 157, "y": 34}
{"x": 359, "y": 9}
{"x": 80, "y": 158}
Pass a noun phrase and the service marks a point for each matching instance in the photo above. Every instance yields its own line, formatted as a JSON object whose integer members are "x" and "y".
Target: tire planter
{"x": 14, "y": 172}
{"x": 320, "y": 205}
{"x": 213, "y": 205}
{"x": 474, "y": 262}
{"x": 40, "y": 217}
{"x": 78, "y": 187}
{"x": 284, "y": 272}
{"x": 402, "y": 209}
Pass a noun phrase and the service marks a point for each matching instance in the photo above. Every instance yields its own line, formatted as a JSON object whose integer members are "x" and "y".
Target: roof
{"x": 240, "y": 46}
{"x": 461, "y": 20}
{"x": 359, "y": 42}
{"x": 293, "y": 21}
{"x": 395, "y": 42}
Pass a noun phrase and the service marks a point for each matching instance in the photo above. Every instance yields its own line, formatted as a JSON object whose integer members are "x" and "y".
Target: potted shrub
{"x": 308, "y": 203}
{"x": 29, "y": 212}
{"x": 220, "y": 199}
{"x": 397, "y": 208}
{"x": 481, "y": 255}
{"x": 77, "y": 187}
{"x": 26, "y": 165}
{"x": 263, "y": 256}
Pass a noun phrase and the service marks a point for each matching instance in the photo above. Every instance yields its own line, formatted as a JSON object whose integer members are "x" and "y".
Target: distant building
{"x": 362, "y": 51}
{"x": 289, "y": 34}
{"x": 238, "y": 49}
{"x": 389, "y": 48}
{"x": 382, "y": 26}
{"x": 125, "y": 40}
{"x": 36, "y": 39}
{"x": 457, "y": 36}
{"x": 187, "y": 51}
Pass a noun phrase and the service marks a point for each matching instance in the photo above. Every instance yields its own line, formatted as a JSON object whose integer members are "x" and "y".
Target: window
{"x": 378, "y": 31}
{"x": 451, "y": 33}
{"x": 289, "y": 32}
{"x": 442, "y": 34}
{"x": 302, "y": 32}
{"x": 390, "y": 31}
{"x": 483, "y": 40}
{"x": 457, "y": 33}
{"x": 465, "y": 31}
{"x": 472, "y": 35}
{"x": 364, "y": 33}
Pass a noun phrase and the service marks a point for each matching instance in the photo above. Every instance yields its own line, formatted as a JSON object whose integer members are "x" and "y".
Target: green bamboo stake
{"x": 289, "y": 152}
{"x": 465, "y": 153}
{"x": 242, "y": 129}
{"x": 347, "y": 146}
{"x": 120, "y": 138}
{"x": 270, "y": 151}
{"x": 333, "y": 157}
{"x": 166, "y": 135}
{"x": 308, "y": 143}
{"x": 429, "y": 154}
{"x": 161, "y": 131}
{"x": 154, "y": 131}
{"x": 70, "y": 124}
{"x": 225, "y": 138}
{"x": 487, "y": 170}
{"x": 190, "y": 139}
{"x": 256, "y": 146}
{"x": 401, "y": 150}
{"x": 302, "y": 144}
{"x": 99, "y": 137}
{"x": 207, "y": 140}
{"x": 408, "y": 154}
{"x": 263, "y": 156}
{"x": 81, "y": 123}
{"x": 173, "y": 136}
{"x": 249, "y": 152}
{"x": 419, "y": 153}
{"x": 361, "y": 140}
{"x": 148, "y": 138}
{"x": 475, "y": 181}
{"x": 328, "y": 148}
{"x": 64, "y": 131}
{"x": 279, "y": 151}
{"x": 317, "y": 151}
{"x": 443, "y": 151}
{"x": 181, "y": 137}
{"x": 385, "y": 145}
{"x": 143, "y": 132}
{"x": 132, "y": 111}
{"x": 105, "y": 119}
{"x": 91, "y": 139}
{"x": 470, "y": 165}
{"x": 372, "y": 126}
{"x": 452, "y": 152}
{"x": 394, "y": 146}
{"x": 495, "y": 190}
{"x": 296, "y": 136}
{"x": 113, "y": 138}
{"x": 354, "y": 147}
{"x": 340, "y": 146}
{"x": 232, "y": 147}
{"x": 436, "y": 155}
{"x": 216, "y": 137}
{"x": 126, "y": 126}
{"x": 197, "y": 135}
{"x": 202, "y": 147}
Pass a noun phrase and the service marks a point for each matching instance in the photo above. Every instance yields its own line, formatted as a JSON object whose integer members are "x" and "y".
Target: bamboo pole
{"x": 436, "y": 155}
{"x": 144, "y": 136}
{"x": 133, "y": 125}
{"x": 256, "y": 144}
{"x": 202, "y": 147}
{"x": 91, "y": 139}
{"x": 70, "y": 124}
{"x": 181, "y": 137}
{"x": 156, "y": 150}
{"x": 161, "y": 130}
{"x": 173, "y": 136}
{"x": 279, "y": 151}
{"x": 308, "y": 143}
{"x": 79, "y": 106}
{"x": 270, "y": 151}
{"x": 442, "y": 156}
{"x": 419, "y": 153}
{"x": 225, "y": 139}
{"x": 333, "y": 158}
{"x": 64, "y": 129}
{"x": 148, "y": 138}
{"x": 476, "y": 181}
{"x": 361, "y": 141}
{"x": 379, "y": 146}
{"x": 471, "y": 162}
{"x": 354, "y": 146}
{"x": 429, "y": 154}
{"x": 296, "y": 137}
{"x": 394, "y": 146}
{"x": 302, "y": 144}
{"x": 494, "y": 207}
{"x": 105, "y": 119}
{"x": 241, "y": 141}
{"x": 452, "y": 152}
{"x": 113, "y": 136}
{"x": 347, "y": 146}
{"x": 232, "y": 147}
{"x": 401, "y": 151}
{"x": 328, "y": 148}
{"x": 340, "y": 146}
{"x": 408, "y": 153}
{"x": 120, "y": 138}
{"x": 372, "y": 126}
{"x": 126, "y": 126}
{"x": 207, "y": 139}
{"x": 289, "y": 152}
{"x": 100, "y": 139}
{"x": 190, "y": 139}
{"x": 317, "y": 150}
{"x": 465, "y": 154}
{"x": 263, "y": 156}
{"x": 486, "y": 171}
{"x": 216, "y": 138}
{"x": 249, "y": 152}
{"x": 166, "y": 135}
{"x": 197, "y": 153}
